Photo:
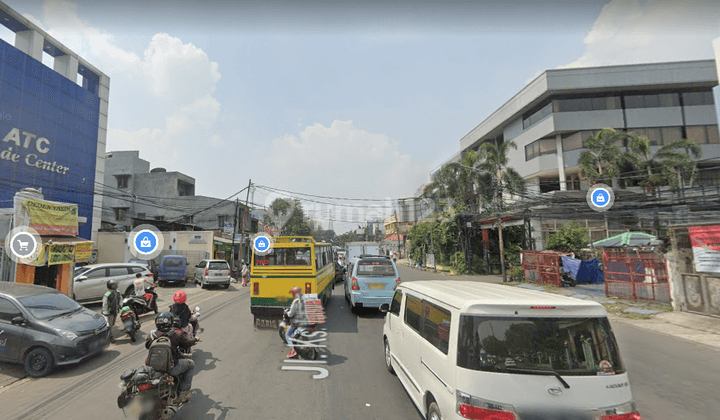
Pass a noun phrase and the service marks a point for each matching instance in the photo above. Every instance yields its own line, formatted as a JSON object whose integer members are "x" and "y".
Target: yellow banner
{"x": 61, "y": 254}
{"x": 52, "y": 219}
{"x": 83, "y": 251}
{"x": 40, "y": 260}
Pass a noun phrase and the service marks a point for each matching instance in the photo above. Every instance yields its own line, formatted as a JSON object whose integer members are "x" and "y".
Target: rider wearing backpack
{"x": 164, "y": 353}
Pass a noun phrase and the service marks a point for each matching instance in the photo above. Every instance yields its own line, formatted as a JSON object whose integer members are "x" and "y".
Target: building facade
{"x": 53, "y": 121}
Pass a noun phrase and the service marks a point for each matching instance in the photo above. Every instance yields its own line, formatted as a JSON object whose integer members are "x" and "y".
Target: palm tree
{"x": 667, "y": 164}
{"x": 494, "y": 163}
{"x": 459, "y": 183}
{"x": 600, "y": 161}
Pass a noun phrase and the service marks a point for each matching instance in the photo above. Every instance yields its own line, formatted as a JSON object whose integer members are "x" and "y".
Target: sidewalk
{"x": 651, "y": 316}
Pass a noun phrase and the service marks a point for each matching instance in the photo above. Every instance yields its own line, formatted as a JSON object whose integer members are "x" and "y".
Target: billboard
{"x": 49, "y": 132}
{"x": 705, "y": 242}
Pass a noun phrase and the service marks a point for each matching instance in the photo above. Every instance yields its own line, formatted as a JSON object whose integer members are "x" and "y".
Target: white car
{"x": 470, "y": 350}
{"x": 90, "y": 281}
{"x": 213, "y": 273}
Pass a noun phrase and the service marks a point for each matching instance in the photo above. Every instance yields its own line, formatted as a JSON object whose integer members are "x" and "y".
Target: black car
{"x": 339, "y": 272}
{"x": 43, "y": 328}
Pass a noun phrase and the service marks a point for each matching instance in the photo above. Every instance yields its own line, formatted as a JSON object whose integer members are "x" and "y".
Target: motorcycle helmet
{"x": 164, "y": 321}
{"x": 179, "y": 297}
{"x": 176, "y": 322}
{"x": 112, "y": 284}
{"x": 295, "y": 290}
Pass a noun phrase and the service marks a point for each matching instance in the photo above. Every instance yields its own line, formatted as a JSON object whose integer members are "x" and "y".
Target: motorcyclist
{"x": 182, "y": 367}
{"x": 297, "y": 315}
{"x": 245, "y": 274}
{"x": 111, "y": 302}
{"x": 140, "y": 283}
{"x": 182, "y": 311}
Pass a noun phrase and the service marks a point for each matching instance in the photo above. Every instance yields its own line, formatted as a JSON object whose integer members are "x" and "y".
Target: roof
{"x": 18, "y": 290}
{"x": 469, "y": 296}
{"x": 626, "y": 239}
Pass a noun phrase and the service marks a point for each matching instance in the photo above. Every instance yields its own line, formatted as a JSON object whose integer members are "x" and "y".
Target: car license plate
{"x": 219, "y": 274}
{"x": 377, "y": 286}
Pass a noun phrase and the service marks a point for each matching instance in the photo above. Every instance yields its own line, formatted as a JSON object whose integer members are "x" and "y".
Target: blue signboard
{"x": 48, "y": 134}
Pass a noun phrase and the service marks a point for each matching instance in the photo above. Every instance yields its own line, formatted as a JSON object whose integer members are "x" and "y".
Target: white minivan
{"x": 469, "y": 350}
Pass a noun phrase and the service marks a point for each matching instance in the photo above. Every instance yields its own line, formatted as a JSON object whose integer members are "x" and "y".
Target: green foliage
{"x": 324, "y": 235}
{"x": 517, "y": 273}
{"x": 667, "y": 166}
{"x": 601, "y": 159}
{"x": 458, "y": 262}
{"x": 569, "y": 238}
{"x": 296, "y": 225}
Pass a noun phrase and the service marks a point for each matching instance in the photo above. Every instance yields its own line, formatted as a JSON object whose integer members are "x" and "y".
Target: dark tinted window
{"x": 94, "y": 274}
{"x": 696, "y": 134}
{"x": 375, "y": 268}
{"x": 670, "y": 134}
{"x": 202, "y": 264}
{"x": 117, "y": 271}
{"x": 436, "y": 326}
{"x": 395, "y": 304}
{"x": 49, "y": 304}
{"x": 698, "y": 98}
{"x": 8, "y": 310}
{"x": 413, "y": 313}
{"x": 136, "y": 269}
{"x": 286, "y": 257}
{"x": 219, "y": 265}
{"x": 173, "y": 262}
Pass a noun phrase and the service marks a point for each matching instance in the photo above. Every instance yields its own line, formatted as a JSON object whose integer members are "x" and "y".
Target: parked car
{"x": 371, "y": 283}
{"x": 212, "y": 272}
{"x": 172, "y": 270}
{"x": 42, "y": 328}
{"x": 504, "y": 352}
{"x": 151, "y": 265}
{"x": 90, "y": 281}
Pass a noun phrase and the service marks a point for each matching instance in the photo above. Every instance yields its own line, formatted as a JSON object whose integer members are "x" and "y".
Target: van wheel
{"x": 38, "y": 362}
{"x": 434, "y": 412}
{"x": 388, "y": 358}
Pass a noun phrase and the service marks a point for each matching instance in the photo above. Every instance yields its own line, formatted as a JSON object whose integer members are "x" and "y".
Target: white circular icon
{"x": 262, "y": 244}
{"x": 600, "y": 197}
{"x": 145, "y": 241}
{"x": 23, "y": 245}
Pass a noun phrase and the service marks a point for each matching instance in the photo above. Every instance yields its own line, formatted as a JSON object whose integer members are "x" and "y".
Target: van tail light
{"x": 470, "y": 407}
{"x": 256, "y": 288}
{"x": 355, "y": 285}
{"x": 542, "y": 307}
{"x": 207, "y": 271}
{"x": 626, "y": 411}
{"x": 229, "y": 273}
{"x": 308, "y": 288}
{"x": 145, "y": 387}
{"x": 397, "y": 283}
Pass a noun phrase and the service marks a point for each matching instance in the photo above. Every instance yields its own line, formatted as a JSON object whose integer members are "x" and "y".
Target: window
{"x": 117, "y": 271}
{"x": 395, "y": 304}
{"x": 159, "y": 218}
{"x": 95, "y": 274}
{"x": 669, "y": 99}
{"x": 535, "y": 117}
{"x": 286, "y": 257}
{"x": 670, "y": 134}
{"x": 47, "y": 305}
{"x": 712, "y": 134}
{"x": 696, "y": 134}
{"x": 219, "y": 265}
{"x": 8, "y": 310}
{"x": 652, "y": 101}
{"x": 698, "y": 98}
{"x": 122, "y": 180}
{"x": 547, "y": 146}
{"x": 141, "y": 215}
{"x": 568, "y": 346}
{"x": 120, "y": 214}
{"x": 655, "y": 136}
{"x": 436, "y": 326}
{"x": 413, "y": 313}
{"x": 172, "y": 262}
{"x": 202, "y": 264}
{"x": 222, "y": 220}
{"x": 375, "y": 268}
{"x": 586, "y": 104}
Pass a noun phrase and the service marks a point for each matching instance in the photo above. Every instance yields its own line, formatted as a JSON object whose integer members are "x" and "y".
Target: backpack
{"x": 160, "y": 354}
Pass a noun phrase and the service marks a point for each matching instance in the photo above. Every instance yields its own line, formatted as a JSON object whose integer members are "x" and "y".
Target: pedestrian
{"x": 245, "y": 274}
{"x": 111, "y": 305}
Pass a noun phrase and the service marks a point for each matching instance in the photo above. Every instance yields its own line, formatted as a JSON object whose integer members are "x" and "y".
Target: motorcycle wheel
{"x": 132, "y": 336}
{"x": 154, "y": 306}
{"x": 281, "y": 333}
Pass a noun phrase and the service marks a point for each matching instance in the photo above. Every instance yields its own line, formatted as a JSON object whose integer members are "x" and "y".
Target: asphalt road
{"x": 239, "y": 371}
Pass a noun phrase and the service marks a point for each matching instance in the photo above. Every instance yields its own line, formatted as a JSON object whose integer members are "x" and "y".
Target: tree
{"x": 295, "y": 225}
{"x": 600, "y": 161}
{"x": 569, "y": 238}
{"x": 494, "y": 163}
{"x": 667, "y": 165}
{"x": 458, "y": 184}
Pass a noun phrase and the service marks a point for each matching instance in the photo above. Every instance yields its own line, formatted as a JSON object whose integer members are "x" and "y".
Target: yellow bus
{"x": 293, "y": 261}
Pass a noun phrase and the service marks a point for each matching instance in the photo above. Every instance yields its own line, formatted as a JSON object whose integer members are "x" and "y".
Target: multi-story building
{"x": 551, "y": 116}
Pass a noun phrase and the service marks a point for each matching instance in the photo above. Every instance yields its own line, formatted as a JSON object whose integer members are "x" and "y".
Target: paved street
{"x": 239, "y": 371}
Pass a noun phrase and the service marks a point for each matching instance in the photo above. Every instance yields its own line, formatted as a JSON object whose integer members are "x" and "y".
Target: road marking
{"x": 306, "y": 361}
{"x": 321, "y": 372}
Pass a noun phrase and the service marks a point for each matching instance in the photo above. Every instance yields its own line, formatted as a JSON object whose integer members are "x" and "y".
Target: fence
{"x": 542, "y": 267}
{"x": 636, "y": 274}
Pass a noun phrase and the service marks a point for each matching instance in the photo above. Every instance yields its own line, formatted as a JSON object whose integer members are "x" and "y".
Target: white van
{"x": 467, "y": 350}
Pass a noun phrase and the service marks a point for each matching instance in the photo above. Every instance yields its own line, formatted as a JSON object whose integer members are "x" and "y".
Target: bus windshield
{"x": 292, "y": 257}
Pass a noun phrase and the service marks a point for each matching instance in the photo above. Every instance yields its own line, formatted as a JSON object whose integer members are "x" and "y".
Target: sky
{"x": 338, "y": 98}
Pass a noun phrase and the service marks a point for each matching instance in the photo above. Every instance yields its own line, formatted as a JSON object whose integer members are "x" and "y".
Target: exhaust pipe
{"x": 170, "y": 411}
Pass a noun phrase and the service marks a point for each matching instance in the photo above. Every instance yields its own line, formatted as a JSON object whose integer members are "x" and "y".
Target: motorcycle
{"x": 567, "y": 280}
{"x": 149, "y": 395}
{"x": 143, "y": 304}
{"x": 300, "y": 333}
{"x": 193, "y": 328}
{"x": 131, "y": 323}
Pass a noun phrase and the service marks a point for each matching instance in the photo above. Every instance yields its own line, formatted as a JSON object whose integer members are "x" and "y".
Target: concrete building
{"x": 135, "y": 194}
{"x": 53, "y": 120}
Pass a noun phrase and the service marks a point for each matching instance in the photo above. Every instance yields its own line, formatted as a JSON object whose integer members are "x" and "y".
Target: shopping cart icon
{"x": 23, "y": 245}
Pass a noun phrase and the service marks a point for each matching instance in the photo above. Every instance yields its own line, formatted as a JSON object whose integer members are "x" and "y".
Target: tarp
{"x": 48, "y": 218}
{"x": 583, "y": 271}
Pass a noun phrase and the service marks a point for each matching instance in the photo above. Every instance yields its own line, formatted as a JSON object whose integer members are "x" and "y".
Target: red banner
{"x": 705, "y": 242}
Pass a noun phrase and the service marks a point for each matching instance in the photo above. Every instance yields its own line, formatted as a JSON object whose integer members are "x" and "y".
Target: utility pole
{"x": 232, "y": 248}
{"x": 242, "y": 234}
{"x": 397, "y": 232}
{"x": 502, "y": 249}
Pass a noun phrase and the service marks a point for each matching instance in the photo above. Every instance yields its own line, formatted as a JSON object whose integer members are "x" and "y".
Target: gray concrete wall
{"x": 588, "y": 120}
{"x": 700, "y": 115}
{"x": 654, "y": 117}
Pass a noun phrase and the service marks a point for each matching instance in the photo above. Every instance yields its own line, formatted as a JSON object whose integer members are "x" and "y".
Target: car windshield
{"x": 375, "y": 268}
{"x": 47, "y": 305}
{"x": 568, "y": 346}
{"x": 173, "y": 262}
{"x": 285, "y": 257}
{"x": 219, "y": 265}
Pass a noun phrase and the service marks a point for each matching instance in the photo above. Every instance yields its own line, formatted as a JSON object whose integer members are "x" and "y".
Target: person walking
{"x": 245, "y": 274}
{"x": 111, "y": 305}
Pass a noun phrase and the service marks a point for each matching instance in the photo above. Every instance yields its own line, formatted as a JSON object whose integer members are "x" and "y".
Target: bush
{"x": 458, "y": 261}
{"x": 517, "y": 273}
{"x": 569, "y": 238}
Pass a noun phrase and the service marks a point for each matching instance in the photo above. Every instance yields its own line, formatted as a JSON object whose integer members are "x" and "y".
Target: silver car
{"x": 90, "y": 281}
{"x": 212, "y": 272}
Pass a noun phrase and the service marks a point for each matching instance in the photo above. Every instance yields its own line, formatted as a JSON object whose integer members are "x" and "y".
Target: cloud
{"x": 641, "y": 31}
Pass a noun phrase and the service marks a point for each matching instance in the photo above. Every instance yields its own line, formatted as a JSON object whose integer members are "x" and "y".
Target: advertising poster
{"x": 61, "y": 254}
{"x": 705, "y": 242}
{"x": 83, "y": 251}
{"x": 52, "y": 219}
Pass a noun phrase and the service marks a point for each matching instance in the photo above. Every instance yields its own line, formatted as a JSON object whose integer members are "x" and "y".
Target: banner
{"x": 705, "y": 242}
{"x": 52, "y": 219}
{"x": 61, "y": 254}
{"x": 83, "y": 251}
{"x": 40, "y": 260}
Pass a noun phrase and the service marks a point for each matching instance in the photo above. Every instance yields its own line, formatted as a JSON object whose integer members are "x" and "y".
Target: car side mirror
{"x": 18, "y": 320}
{"x": 81, "y": 278}
{"x": 384, "y": 308}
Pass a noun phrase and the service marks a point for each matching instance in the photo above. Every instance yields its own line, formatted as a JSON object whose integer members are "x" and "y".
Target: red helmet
{"x": 179, "y": 297}
{"x": 295, "y": 290}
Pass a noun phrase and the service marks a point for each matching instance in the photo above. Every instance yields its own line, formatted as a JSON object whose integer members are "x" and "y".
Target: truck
{"x": 356, "y": 249}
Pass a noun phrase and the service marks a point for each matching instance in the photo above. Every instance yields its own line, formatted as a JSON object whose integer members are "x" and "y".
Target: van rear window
{"x": 568, "y": 346}
{"x": 375, "y": 268}
{"x": 173, "y": 262}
